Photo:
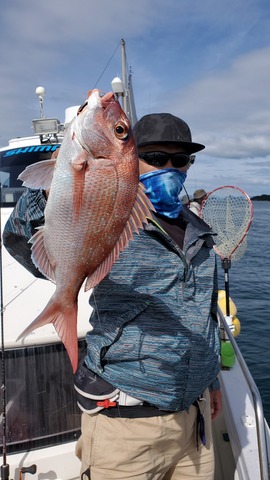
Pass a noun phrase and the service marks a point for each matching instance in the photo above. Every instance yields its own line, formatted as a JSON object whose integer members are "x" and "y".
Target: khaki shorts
{"x": 155, "y": 448}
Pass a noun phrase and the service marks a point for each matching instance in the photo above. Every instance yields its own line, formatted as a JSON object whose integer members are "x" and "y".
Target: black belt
{"x": 136, "y": 411}
{"x": 140, "y": 411}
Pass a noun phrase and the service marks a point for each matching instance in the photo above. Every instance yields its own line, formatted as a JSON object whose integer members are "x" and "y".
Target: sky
{"x": 207, "y": 62}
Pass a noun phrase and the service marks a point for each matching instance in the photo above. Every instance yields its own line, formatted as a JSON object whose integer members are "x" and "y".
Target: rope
{"x": 106, "y": 66}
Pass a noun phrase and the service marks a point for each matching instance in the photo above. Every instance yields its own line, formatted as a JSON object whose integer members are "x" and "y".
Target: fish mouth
{"x": 106, "y": 99}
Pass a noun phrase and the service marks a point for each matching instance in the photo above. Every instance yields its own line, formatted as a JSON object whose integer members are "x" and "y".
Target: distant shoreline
{"x": 261, "y": 198}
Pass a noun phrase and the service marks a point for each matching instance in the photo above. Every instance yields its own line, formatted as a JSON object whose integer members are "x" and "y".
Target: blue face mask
{"x": 163, "y": 188}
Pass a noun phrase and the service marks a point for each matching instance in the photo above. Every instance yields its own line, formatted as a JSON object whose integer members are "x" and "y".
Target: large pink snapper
{"x": 94, "y": 206}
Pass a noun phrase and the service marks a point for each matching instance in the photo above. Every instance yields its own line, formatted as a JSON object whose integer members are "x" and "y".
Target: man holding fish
{"x": 148, "y": 384}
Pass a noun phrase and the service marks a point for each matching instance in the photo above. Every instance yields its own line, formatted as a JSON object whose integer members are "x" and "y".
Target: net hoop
{"x": 228, "y": 210}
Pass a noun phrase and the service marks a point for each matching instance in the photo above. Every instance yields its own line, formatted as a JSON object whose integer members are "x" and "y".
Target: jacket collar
{"x": 197, "y": 232}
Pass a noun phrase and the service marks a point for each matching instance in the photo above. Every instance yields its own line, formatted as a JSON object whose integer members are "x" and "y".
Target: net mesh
{"x": 229, "y": 212}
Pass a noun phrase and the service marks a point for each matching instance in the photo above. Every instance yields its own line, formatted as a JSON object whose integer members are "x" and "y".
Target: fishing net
{"x": 229, "y": 212}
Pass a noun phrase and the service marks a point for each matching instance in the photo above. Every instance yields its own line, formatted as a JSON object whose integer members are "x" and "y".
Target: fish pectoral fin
{"x": 64, "y": 319}
{"x": 38, "y": 175}
{"x": 39, "y": 255}
{"x": 79, "y": 163}
{"x": 140, "y": 213}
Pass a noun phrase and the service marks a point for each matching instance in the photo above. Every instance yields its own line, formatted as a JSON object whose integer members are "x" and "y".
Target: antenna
{"x": 40, "y": 92}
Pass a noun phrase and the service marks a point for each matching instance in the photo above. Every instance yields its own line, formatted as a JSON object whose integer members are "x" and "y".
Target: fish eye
{"x": 121, "y": 131}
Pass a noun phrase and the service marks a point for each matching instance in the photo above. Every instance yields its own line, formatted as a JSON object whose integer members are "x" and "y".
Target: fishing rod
{"x": 5, "y": 470}
{"x": 4, "y": 466}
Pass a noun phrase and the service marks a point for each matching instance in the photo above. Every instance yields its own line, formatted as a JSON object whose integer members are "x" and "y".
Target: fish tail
{"x": 64, "y": 319}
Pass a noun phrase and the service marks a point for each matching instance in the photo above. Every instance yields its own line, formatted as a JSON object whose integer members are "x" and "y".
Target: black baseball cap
{"x": 164, "y": 128}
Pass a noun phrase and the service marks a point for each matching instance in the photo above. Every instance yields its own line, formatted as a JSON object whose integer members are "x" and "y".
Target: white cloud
{"x": 252, "y": 175}
{"x": 230, "y": 109}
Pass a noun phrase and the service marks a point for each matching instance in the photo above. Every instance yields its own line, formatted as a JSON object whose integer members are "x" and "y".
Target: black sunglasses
{"x": 159, "y": 159}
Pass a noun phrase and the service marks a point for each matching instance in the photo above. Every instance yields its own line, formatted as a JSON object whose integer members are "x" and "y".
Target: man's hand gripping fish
{"x": 95, "y": 204}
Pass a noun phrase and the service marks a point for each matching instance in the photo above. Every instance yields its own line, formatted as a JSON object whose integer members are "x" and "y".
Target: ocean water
{"x": 249, "y": 284}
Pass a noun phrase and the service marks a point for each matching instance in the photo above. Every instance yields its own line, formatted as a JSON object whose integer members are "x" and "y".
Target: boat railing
{"x": 257, "y": 402}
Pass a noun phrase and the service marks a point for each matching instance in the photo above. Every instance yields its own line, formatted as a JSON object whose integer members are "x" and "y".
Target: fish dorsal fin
{"x": 38, "y": 175}
{"x": 39, "y": 255}
{"x": 140, "y": 213}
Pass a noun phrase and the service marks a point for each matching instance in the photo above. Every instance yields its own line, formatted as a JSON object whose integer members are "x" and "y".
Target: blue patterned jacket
{"x": 155, "y": 334}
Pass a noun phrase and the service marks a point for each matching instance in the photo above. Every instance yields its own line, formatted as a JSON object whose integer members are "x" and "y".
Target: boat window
{"x": 12, "y": 162}
{"x": 41, "y": 409}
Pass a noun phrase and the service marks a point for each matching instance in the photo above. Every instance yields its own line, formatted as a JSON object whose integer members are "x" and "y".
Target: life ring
{"x": 233, "y": 311}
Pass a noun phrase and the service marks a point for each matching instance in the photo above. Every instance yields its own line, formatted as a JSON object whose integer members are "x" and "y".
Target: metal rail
{"x": 258, "y": 408}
